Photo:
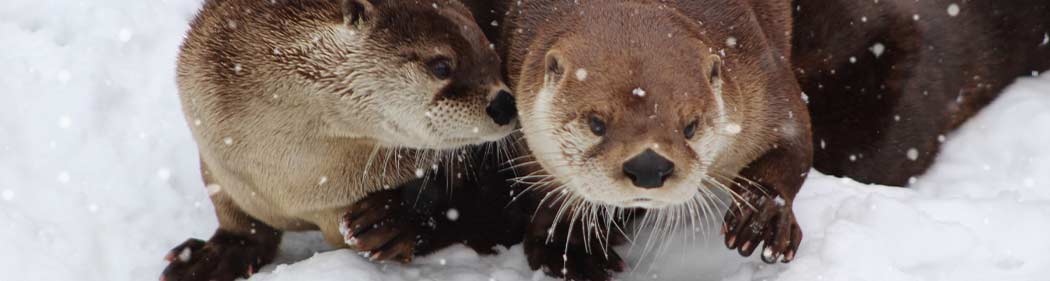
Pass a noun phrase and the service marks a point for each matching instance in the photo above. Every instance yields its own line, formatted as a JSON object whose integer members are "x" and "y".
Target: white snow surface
{"x": 99, "y": 178}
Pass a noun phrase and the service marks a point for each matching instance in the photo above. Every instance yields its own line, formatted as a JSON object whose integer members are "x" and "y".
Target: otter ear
{"x": 555, "y": 66}
{"x": 714, "y": 73}
{"x": 357, "y": 12}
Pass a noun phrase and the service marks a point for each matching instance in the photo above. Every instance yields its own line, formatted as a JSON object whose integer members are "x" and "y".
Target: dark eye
{"x": 441, "y": 68}
{"x": 690, "y": 130}
{"x": 597, "y": 126}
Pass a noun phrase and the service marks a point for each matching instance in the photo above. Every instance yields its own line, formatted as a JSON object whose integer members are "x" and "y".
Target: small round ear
{"x": 555, "y": 66}
{"x": 357, "y": 12}
{"x": 714, "y": 72}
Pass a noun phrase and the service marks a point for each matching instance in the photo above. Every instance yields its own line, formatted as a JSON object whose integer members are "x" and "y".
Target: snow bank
{"x": 98, "y": 178}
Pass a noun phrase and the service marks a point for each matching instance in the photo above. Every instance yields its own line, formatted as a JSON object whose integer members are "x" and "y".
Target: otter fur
{"x": 300, "y": 108}
{"x": 883, "y": 89}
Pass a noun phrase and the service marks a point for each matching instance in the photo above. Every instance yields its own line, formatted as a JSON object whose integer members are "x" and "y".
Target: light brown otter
{"x": 300, "y": 108}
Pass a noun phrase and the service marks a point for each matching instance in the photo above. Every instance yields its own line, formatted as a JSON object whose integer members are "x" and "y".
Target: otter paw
{"x": 766, "y": 221}
{"x": 382, "y": 227}
{"x": 210, "y": 261}
{"x": 573, "y": 262}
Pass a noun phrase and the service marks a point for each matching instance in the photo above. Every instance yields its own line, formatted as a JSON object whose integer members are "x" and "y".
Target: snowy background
{"x": 98, "y": 178}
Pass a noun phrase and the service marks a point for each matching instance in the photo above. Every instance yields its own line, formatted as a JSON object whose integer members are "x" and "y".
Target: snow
{"x": 99, "y": 179}
{"x": 953, "y": 9}
{"x": 731, "y": 42}
{"x": 638, "y": 92}
{"x": 733, "y": 128}
{"x": 452, "y": 214}
{"x": 877, "y": 49}
{"x": 581, "y": 74}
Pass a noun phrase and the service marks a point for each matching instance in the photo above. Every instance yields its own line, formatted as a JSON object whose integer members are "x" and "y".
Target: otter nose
{"x": 502, "y": 109}
{"x": 648, "y": 169}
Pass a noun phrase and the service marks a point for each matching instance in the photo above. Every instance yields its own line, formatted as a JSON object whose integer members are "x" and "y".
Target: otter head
{"x": 636, "y": 111}
{"x": 420, "y": 74}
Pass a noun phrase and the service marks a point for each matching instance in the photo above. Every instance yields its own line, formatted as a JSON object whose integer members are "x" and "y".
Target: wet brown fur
{"x": 282, "y": 96}
{"x": 662, "y": 47}
{"x": 850, "y": 109}
{"x": 934, "y": 73}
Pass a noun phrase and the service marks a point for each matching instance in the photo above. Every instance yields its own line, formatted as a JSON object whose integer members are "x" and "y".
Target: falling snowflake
{"x": 878, "y": 49}
{"x": 213, "y": 189}
{"x": 185, "y": 255}
{"x": 124, "y": 35}
{"x": 581, "y": 74}
{"x": 452, "y": 214}
{"x": 733, "y": 128}
{"x": 953, "y": 9}
{"x": 638, "y": 92}
{"x": 164, "y": 174}
{"x": 65, "y": 122}
{"x": 913, "y": 154}
{"x": 63, "y": 177}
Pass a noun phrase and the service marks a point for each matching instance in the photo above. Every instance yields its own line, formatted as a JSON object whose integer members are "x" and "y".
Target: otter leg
{"x": 450, "y": 208}
{"x": 384, "y": 226}
{"x": 762, "y": 212}
{"x": 569, "y": 252}
{"x": 238, "y": 248}
{"x": 400, "y": 223}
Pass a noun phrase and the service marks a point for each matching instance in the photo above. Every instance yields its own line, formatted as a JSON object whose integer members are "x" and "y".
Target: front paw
{"x": 763, "y": 220}
{"x": 572, "y": 262}
{"x": 382, "y": 227}
{"x": 225, "y": 257}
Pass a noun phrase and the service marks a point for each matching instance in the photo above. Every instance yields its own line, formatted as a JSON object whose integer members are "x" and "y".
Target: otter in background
{"x": 889, "y": 80}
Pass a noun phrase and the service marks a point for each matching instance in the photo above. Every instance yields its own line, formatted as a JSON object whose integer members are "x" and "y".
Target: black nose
{"x": 648, "y": 169}
{"x": 502, "y": 109}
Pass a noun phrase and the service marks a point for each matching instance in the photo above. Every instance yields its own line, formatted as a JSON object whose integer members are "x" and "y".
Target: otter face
{"x": 631, "y": 121}
{"x": 425, "y": 75}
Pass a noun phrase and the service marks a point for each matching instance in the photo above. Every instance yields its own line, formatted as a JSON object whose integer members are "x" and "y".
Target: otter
{"x": 300, "y": 108}
{"x": 888, "y": 81}
{"x": 646, "y": 109}
{"x": 654, "y": 106}
{"x": 858, "y": 84}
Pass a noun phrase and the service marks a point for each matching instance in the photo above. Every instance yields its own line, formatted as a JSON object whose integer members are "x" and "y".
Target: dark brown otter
{"x": 889, "y": 80}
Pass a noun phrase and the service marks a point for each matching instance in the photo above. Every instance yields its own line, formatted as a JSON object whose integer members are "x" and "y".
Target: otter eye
{"x": 597, "y": 126}
{"x": 690, "y": 130}
{"x": 441, "y": 68}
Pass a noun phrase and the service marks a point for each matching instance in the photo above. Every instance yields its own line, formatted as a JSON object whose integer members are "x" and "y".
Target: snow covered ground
{"x": 98, "y": 178}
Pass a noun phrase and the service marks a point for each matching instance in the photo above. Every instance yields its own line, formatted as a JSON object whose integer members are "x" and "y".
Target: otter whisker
{"x": 736, "y": 196}
{"x": 368, "y": 163}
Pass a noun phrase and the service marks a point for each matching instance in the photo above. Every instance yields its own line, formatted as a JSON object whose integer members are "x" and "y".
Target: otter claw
{"x": 771, "y": 224}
